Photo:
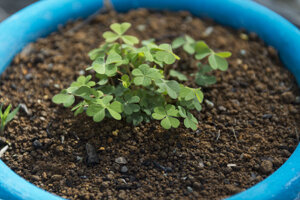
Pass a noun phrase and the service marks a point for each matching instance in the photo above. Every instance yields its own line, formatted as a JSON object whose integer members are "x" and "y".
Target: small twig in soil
{"x": 297, "y": 134}
{"x": 218, "y": 135}
{"x": 3, "y": 150}
{"x": 234, "y": 135}
{"x": 48, "y": 131}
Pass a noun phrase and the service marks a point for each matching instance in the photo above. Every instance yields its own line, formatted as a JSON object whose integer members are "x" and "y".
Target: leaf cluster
{"x": 200, "y": 50}
{"x": 131, "y": 81}
{"x": 6, "y": 116}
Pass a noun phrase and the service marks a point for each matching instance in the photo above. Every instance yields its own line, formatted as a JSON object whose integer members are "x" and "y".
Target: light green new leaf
{"x": 217, "y": 62}
{"x": 131, "y": 40}
{"x": 66, "y": 99}
{"x": 188, "y": 94}
{"x": 99, "y": 65}
{"x": 125, "y": 81}
{"x": 169, "y": 122}
{"x": 165, "y": 54}
{"x": 95, "y": 53}
{"x": 202, "y": 50}
{"x": 187, "y": 42}
{"x": 144, "y": 75}
{"x": 225, "y": 54}
{"x": 115, "y": 109}
{"x": 110, "y": 36}
{"x": 178, "y": 75}
{"x": 178, "y": 42}
{"x": 12, "y": 114}
{"x": 113, "y": 57}
{"x": 120, "y": 28}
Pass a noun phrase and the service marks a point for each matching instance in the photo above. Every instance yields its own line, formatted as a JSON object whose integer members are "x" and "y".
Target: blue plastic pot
{"x": 43, "y": 17}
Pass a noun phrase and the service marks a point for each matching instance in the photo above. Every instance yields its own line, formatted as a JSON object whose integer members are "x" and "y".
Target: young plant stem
{"x": 111, "y": 81}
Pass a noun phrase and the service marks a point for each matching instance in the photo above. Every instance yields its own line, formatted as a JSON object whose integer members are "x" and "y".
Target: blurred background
{"x": 290, "y": 9}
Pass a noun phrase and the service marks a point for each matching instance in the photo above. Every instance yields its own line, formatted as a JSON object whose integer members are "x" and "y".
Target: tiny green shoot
{"x": 6, "y": 116}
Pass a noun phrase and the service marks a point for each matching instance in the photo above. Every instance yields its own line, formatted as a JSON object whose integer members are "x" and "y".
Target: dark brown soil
{"x": 247, "y": 134}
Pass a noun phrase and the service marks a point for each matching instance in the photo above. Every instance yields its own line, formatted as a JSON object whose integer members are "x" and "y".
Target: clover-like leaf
{"x": 188, "y": 93}
{"x": 202, "y": 79}
{"x": 167, "y": 115}
{"x": 120, "y": 29}
{"x": 130, "y": 104}
{"x": 95, "y": 53}
{"x": 165, "y": 54}
{"x": 202, "y": 50}
{"x": 110, "y": 36}
{"x": 190, "y": 121}
{"x": 178, "y": 75}
{"x": 66, "y": 99}
{"x": 103, "y": 79}
{"x": 218, "y": 62}
{"x": 99, "y": 65}
{"x": 144, "y": 75}
{"x": 97, "y": 110}
{"x": 172, "y": 87}
{"x": 115, "y": 109}
{"x": 131, "y": 40}
{"x": 178, "y": 42}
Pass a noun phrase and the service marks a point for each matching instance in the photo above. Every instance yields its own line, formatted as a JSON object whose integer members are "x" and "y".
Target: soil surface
{"x": 248, "y": 131}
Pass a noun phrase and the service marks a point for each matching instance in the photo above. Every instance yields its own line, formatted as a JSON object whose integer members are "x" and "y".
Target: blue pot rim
{"x": 43, "y": 17}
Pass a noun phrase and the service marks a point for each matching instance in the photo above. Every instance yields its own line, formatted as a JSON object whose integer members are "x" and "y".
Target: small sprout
{"x": 6, "y": 116}
{"x": 132, "y": 82}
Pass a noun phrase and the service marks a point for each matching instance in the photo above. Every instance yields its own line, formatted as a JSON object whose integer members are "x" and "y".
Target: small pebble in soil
{"x": 28, "y": 76}
{"x": 266, "y": 166}
{"x": 208, "y": 31}
{"x": 81, "y": 72}
{"x": 287, "y": 97}
{"x": 36, "y": 178}
{"x": 141, "y": 27}
{"x": 124, "y": 169}
{"x": 37, "y": 144}
{"x": 222, "y": 108}
{"x": 57, "y": 177}
{"x": 79, "y": 158}
{"x": 24, "y": 108}
{"x": 297, "y": 99}
{"x": 209, "y": 103}
{"x": 243, "y": 52}
{"x": 232, "y": 189}
{"x": 267, "y": 116}
{"x": 244, "y": 36}
{"x": 121, "y": 160}
{"x": 92, "y": 156}
{"x": 190, "y": 189}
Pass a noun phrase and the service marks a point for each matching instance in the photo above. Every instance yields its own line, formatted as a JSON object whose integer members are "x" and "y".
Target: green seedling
{"x": 137, "y": 81}
{"x": 6, "y": 116}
